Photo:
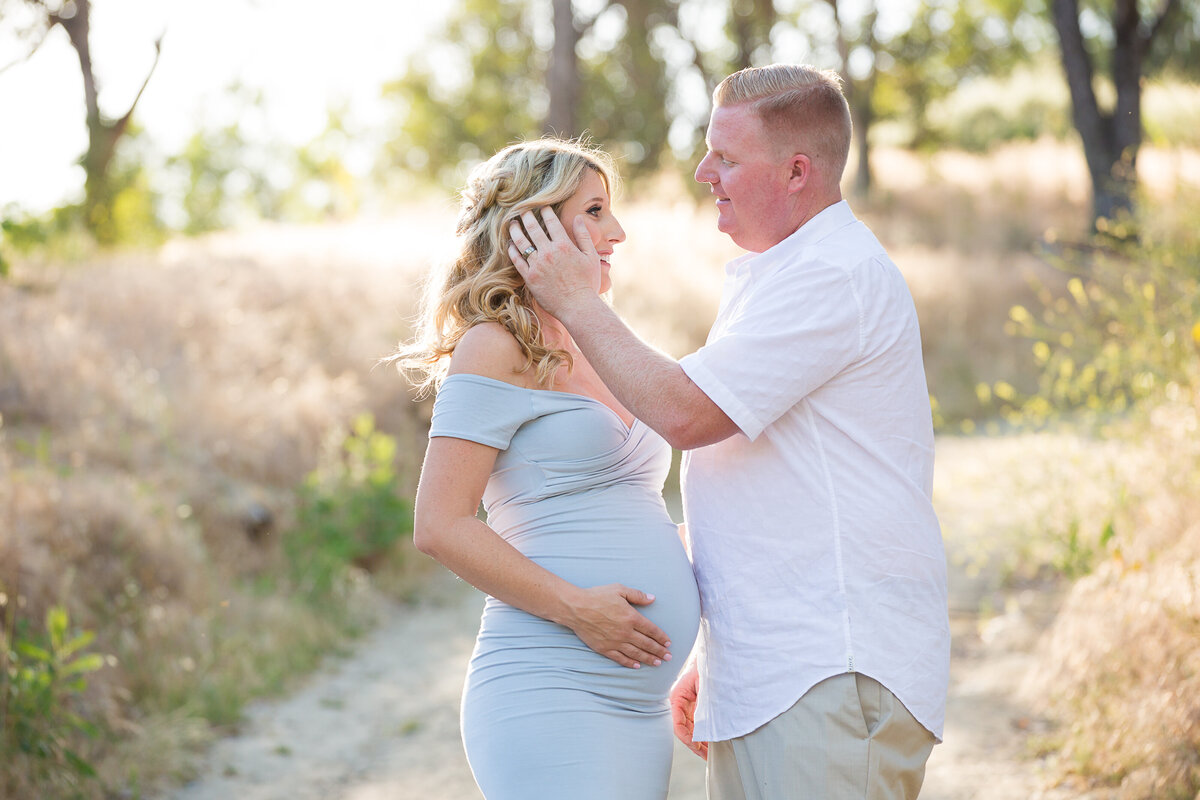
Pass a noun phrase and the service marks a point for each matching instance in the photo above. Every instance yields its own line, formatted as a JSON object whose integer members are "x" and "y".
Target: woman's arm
{"x": 453, "y": 478}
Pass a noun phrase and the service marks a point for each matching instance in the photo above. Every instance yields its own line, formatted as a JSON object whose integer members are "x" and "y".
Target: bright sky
{"x": 305, "y": 55}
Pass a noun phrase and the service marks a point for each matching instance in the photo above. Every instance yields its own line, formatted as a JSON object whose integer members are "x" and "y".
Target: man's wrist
{"x": 577, "y": 308}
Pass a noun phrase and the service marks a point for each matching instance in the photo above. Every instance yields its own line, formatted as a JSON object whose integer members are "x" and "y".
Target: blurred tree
{"x": 506, "y": 74}
{"x": 750, "y": 24}
{"x": 478, "y": 86}
{"x": 1123, "y": 43}
{"x": 208, "y": 160}
{"x": 222, "y": 176}
{"x": 745, "y": 40}
{"x": 625, "y": 78}
{"x": 562, "y": 78}
{"x": 74, "y": 17}
{"x": 860, "y": 89}
{"x": 899, "y": 74}
{"x": 889, "y": 71}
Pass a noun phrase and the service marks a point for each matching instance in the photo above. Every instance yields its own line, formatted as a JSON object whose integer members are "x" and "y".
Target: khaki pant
{"x": 847, "y": 738}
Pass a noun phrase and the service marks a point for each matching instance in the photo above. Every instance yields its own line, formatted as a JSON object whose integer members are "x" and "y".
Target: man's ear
{"x": 801, "y": 173}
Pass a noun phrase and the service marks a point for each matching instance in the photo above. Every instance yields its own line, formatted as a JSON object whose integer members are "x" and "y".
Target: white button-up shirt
{"x": 812, "y": 531}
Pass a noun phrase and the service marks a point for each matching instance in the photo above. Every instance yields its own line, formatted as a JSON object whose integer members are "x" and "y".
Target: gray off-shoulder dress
{"x": 575, "y": 490}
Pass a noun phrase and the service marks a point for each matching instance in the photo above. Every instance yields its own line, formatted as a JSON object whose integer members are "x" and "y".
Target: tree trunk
{"x": 100, "y": 141}
{"x": 641, "y": 16}
{"x": 563, "y": 80}
{"x": 102, "y": 136}
{"x": 862, "y": 115}
{"x": 1110, "y": 140}
{"x": 750, "y": 24}
{"x": 859, "y": 95}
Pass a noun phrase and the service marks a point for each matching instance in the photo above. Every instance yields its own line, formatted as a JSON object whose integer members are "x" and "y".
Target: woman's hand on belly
{"x": 604, "y": 618}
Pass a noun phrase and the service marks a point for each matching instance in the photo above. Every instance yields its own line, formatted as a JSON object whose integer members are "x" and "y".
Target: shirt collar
{"x": 826, "y": 222}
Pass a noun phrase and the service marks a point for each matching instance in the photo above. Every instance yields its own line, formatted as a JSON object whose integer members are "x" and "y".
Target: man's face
{"x": 749, "y": 176}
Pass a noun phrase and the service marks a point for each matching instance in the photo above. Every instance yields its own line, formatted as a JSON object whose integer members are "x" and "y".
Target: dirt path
{"x": 383, "y": 723}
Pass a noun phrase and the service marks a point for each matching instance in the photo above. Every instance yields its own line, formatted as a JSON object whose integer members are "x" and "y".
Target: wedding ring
{"x": 528, "y": 250}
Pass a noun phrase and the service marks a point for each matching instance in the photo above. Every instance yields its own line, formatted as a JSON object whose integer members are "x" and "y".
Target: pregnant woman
{"x": 592, "y": 606}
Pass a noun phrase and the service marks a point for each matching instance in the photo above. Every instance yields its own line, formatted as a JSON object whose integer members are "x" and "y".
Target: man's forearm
{"x": 649, "y": 383}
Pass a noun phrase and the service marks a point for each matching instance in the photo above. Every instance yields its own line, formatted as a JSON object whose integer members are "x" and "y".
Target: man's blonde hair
{"x": 802, "y": 108}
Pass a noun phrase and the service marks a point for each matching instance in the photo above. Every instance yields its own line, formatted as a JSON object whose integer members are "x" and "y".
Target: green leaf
{"x": 1107, "y": 534}
{"x": 56, "y": 625}
{"x": 78, "y": 643}
{"x": 33, "y": 651}
{"x": 88, "y": 663}
{"x": 79, "y": 765}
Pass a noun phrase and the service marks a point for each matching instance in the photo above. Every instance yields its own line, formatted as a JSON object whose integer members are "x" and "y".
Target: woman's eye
{"x": 595, "y": 211}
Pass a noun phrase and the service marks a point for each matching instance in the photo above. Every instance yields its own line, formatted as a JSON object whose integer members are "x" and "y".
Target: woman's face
{"x": 592, "y": 202}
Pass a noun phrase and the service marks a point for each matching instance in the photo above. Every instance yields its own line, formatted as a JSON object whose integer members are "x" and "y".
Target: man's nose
{"x": 704, "y": 173}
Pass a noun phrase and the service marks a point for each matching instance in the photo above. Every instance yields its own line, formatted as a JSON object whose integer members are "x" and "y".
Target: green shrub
{"x": 350, "y": 511}
{"x": 985, "y": 127}
{"x": 1121, "y": 340}
{"x": 1126, "y": 337}
{"x": 42, "y": 679}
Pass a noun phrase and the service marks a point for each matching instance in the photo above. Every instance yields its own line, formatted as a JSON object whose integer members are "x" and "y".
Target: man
{"x": 823, "y": 662}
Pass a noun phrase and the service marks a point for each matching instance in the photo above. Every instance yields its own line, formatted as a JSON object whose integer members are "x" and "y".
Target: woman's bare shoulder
{"x": 490, "y": 350}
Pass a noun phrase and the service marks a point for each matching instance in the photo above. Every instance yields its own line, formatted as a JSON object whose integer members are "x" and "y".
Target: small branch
{"x": 29, "y": 55}
{"x": 118, "y": 127}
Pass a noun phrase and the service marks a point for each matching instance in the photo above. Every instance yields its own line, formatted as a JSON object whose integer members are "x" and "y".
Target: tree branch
{"x": 1077, "y": 64}
{"x": 118, "y": 127}
{"x": 1168, "y": 7}
{"x": 29, "y": 55}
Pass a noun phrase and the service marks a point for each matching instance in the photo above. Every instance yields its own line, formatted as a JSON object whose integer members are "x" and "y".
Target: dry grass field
{"x": 159, "y": 410}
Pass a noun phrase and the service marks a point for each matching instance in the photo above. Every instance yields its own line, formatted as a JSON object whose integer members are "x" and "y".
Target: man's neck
{"x": 806, "y": 211}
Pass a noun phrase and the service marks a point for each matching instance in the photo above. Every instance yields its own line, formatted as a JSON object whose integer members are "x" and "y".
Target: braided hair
{"x": 481, "y": 284}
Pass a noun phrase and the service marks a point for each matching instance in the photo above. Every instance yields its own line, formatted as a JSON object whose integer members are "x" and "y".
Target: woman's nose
{"x": 617, "y": 234}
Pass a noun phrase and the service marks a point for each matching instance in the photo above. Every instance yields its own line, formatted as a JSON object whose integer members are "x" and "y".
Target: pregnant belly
{"x": 635, "y": 547}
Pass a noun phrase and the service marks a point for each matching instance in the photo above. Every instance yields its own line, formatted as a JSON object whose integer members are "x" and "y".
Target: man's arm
{"x": 650, "y": 384}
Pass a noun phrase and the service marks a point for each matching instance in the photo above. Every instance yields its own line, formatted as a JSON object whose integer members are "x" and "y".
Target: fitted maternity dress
{"x": 578, "y": 492}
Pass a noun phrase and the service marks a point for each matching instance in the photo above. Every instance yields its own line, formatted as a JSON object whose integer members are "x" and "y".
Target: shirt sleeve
{"x": 790, "y": 335}
{"x": 480, "y": 410}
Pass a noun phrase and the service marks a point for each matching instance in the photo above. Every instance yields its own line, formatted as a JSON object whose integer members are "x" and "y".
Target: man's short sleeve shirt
{"x": 812, "y": 532}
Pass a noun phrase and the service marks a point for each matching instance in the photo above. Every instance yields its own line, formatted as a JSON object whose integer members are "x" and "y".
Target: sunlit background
{"x": 205, "y": 482}
{"x": 298, "y": 61}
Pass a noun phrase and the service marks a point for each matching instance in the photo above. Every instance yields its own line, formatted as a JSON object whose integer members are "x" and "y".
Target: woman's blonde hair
{"x": 481, "y": 284}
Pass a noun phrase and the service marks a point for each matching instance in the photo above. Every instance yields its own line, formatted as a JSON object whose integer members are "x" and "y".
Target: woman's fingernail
{"x": 667, "y": 657}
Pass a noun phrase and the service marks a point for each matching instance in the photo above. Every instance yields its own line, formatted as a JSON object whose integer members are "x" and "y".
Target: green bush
{"x": 42, "y": 679}
{"x": 1123, "y": 339}
{"x": 985, "y": 127}
{"x": 1126, "y": 337}
{"x": 350, "y": 513}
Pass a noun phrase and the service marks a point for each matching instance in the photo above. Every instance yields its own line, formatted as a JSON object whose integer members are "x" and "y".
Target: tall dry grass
{"x": 1120, "y": 667}
{"x": 157, "y": 413}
